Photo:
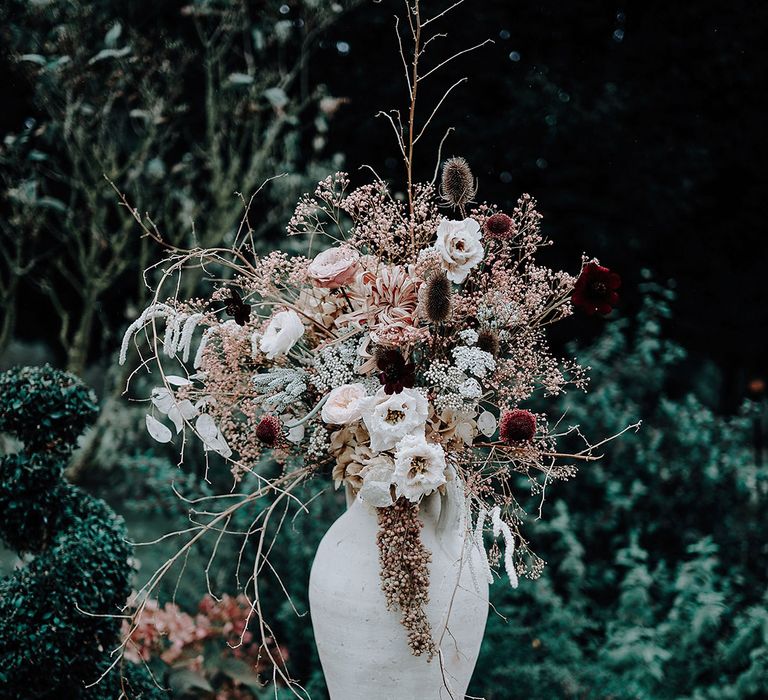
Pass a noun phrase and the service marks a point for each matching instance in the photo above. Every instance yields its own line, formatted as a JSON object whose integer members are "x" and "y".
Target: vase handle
{"x": 451, "y": 508}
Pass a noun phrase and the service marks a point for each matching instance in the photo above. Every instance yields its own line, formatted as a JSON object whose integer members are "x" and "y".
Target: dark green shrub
{"x": 56, "y": 629}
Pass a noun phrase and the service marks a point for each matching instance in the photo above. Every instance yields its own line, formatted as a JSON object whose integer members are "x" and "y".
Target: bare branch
{"x": 443, "y": 13}
{"x": 456, "y": 55}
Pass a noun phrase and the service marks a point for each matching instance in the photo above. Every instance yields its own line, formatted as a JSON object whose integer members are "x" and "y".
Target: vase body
{"x": 363, "y": 647}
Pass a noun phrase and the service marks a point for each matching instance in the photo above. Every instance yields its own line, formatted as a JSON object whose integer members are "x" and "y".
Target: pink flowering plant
{"x": 400, "y": 356}
{"x": 211, "y": 651}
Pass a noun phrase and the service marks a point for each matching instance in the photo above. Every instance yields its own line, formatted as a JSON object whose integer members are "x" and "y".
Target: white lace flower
{"x": 389, "y": 418}
{"x": 460, "y": 247}
{"x": 284, "y": 330}
{"x": 344, "y": 404}
{"x": 419, "y": 467}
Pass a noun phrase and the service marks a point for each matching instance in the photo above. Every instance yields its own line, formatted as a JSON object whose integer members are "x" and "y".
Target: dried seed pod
{"x": 458, "y": 186}
{"x": 437, "y": 298}
{"x": 488, "y": 341}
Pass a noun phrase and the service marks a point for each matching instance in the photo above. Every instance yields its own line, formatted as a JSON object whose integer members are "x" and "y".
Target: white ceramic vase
{"x": 363, "y": 647}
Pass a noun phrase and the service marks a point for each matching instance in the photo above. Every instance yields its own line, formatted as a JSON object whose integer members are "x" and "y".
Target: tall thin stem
{"x": 412, "y": 115}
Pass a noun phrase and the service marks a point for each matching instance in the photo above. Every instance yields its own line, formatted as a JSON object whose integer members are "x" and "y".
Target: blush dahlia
{"x": 595, "y": 290}
{"x": 517, "y": 425}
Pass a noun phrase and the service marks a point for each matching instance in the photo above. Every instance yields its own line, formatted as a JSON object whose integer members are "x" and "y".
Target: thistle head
{"x": 458, "y": 186}
{"x": 488, "y": 341}
{"x": 436, "y": 300}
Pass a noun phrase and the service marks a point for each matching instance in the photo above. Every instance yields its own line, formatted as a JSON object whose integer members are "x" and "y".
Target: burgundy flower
{"x": 269, "y": 430}
{"x": 395, "y": 373}
{"x": 499, "y": 226}
{"x": 237, "y": 308}
{"x": 517, "y": 425}
{"x": 595, "y": 290}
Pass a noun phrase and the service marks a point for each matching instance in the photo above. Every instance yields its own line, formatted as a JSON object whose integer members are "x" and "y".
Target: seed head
{"x": 269, "y": 430}
{"x": 458, "y": 185}
{"x": 488, "y": 341}
{"x": 437, "y": 298}
{"x": 517, "y": 426}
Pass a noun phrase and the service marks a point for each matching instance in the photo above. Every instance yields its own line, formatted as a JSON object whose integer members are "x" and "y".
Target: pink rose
{"x": 334, "y": 267}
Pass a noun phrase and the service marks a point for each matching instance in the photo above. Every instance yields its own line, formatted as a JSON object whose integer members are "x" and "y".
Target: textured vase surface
{"x": 363, "y": 647}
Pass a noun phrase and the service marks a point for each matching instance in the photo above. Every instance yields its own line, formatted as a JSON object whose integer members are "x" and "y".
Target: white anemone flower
{"x": 419, "y": 467}
{"x": 283, "y": 332}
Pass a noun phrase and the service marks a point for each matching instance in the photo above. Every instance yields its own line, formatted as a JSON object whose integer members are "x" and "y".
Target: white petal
{"x": 175, "y": 417}
{"x": 162, "y": 399}
{"x": 157, "y": 430}
{"x": 206, "y": 428}
{"x": 296, "y": 434}
{"x": 176, "y": 380}
{"x": 486, "y": 423}
{"x": 187, "y": 409}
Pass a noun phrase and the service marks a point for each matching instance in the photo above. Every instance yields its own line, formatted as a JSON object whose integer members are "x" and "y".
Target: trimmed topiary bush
{"x": 55, "y": 626}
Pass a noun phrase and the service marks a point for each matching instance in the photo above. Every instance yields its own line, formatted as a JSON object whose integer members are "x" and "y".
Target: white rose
{"x": 390, "y": 417}
{"x": 344, "y": 404}
{"x": 284, "y": 330}
{"x": 460, "y": 248}
{"x": 419, "y": 467}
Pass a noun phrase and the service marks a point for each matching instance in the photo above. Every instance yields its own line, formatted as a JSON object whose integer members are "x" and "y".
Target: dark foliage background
{"x": 637, "y": 126}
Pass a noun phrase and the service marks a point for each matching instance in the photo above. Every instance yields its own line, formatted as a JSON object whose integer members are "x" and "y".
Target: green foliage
{"x": 45, "y": 409}
{"x": 56, "y": 624}
{"x": 655, "y": 587}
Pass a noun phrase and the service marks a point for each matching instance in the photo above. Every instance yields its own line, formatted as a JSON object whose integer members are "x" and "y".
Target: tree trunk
{"x": 77, "y": 353}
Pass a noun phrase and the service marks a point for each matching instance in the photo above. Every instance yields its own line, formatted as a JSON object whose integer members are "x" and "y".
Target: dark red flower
{"x": 237, "y": 308}
{"x": 269, "y": 430}
{"x": 499, "y": 226}
{"x": 517, "y": 425}
{"x": 394, "y": 372}
{"x": 595, "y": 290}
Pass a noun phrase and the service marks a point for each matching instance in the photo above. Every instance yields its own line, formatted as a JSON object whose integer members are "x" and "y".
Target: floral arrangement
{"x": 399, "y": 357}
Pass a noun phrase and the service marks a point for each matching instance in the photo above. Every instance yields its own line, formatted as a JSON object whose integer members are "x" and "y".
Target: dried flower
{"x": 404, "y": 563}
{"x": 237, "y": 308}
{"x": 269, "y": 430}
{"x": 488, "y": 341}
{"x": 499, "y": 226}
{"x": 395, "y": 373}
{"x": 595, "y": 290}
{"x": 436, "y": 298}
{"x": 517, "y": 426}
{"x": 458, "y": 186}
